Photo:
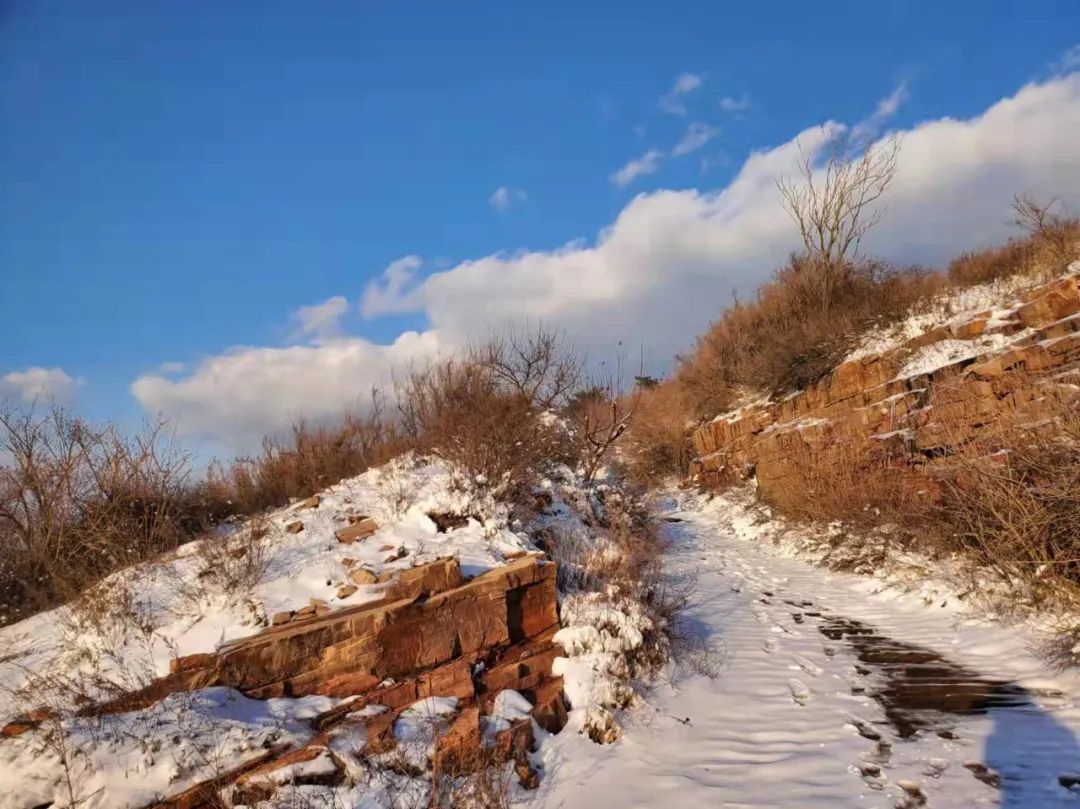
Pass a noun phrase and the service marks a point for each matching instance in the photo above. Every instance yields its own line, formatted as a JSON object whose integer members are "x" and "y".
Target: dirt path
{"x": 831, "y": 694}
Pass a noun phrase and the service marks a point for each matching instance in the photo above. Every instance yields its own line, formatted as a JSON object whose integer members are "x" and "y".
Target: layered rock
{"x": 432, "y": 634}
{"x": 870, "y": 406}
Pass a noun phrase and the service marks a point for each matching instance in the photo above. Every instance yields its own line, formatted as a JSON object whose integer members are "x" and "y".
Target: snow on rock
{"x": 131, "y": 626}
{"x": 951, "y": 308}
{"x": 132, "y": 759}
{"x": 946, "y": 352}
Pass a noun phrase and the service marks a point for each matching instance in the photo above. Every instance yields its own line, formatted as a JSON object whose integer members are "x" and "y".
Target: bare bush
{"x": 1051, "y": 241}
{"x": 78, "y": 501}
{"x": 1012, "y": 503}
{"x": 538, "y": 365}
{"x": 1057, "y": 234}
{"x": 459, "y": 410}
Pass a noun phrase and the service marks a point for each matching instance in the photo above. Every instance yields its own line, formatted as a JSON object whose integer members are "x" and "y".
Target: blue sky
{"x": 177, "y": 179}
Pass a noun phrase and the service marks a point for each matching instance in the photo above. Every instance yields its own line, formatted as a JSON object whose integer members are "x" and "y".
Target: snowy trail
{"x": 791, "y": 720}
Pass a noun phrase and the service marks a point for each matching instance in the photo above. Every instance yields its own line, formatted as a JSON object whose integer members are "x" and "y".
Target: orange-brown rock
{"x": 24, "y": 724}
{"x": 362, "y": 576}
{"x": 351, "y": 650}
{"x": 295, "y": 527}
{"x": 969, "y": 330}
{"x": 456, "y": 751}
{"x": 549, "y": 705}
{"x": 434, "y": 577}
{"x": 867, "y": 409}
{"x": 307, "y": 503}
{"x": 356, "y": 531}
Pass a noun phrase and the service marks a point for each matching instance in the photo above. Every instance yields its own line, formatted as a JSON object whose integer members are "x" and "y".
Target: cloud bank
{"x": 660, "y": 271}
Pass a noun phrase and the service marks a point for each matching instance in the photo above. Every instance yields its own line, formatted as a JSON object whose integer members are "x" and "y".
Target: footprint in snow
{"x": 799, "y": 692}
{"x": 761, "y": 615}
{"x": 771, "y": 645}
{"x": 809, "y": 667}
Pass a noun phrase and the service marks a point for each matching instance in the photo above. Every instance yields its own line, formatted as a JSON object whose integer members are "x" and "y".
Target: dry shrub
{"x": 232, "y": 565}
{"x": 459, "y": 411}
{"x": 1051, "y": 243}
{"x": 78, "y": 502}
{"x": 658, "y": 443}
{"x": 491, "y": 410}
{"x": 973, "y": 268}
{"x": 847, "y": 480}
{"x": 1012, "y": 502}
{"x": 797, "y": 328}
{"x": 313, "y": 458}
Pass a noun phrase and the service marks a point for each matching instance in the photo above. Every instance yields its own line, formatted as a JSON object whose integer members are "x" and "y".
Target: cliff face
{"x": 916, "y": 402}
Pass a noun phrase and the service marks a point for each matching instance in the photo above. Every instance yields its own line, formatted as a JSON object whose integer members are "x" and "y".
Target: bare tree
{"x": 602, "y": 425}
{"x": 833, "y": 206}
{"x": 1056, "y": 231}
{"x": 538, "y": 364}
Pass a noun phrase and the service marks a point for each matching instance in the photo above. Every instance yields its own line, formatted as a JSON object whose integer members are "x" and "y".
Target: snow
{"x": 132, "y": 759}
{"x": 946, "y": 352}
{"x": 780, "y": 725}
{"x": 154, "y": 612}
{"x": 953, "y": 307}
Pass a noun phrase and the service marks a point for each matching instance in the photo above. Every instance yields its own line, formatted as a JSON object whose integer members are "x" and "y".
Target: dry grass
{"x": 77, "y": 502}
{"x": 313, "y": 458}
{"x": 1051, "y": 242}
{"x": 793, "y": 333}
{"x": 1012, "y": 503}
{"x": 658, "y": 443}
{"x": 477, "y": 413}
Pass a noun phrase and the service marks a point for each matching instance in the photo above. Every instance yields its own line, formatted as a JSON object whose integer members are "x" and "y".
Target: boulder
{"x": 295, "y": 527}
{"x": 356, "y": 531}
{"x": 362, "y": 576}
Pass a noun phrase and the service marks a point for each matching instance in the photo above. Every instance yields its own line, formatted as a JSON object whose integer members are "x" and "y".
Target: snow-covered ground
{"x": 142, "y": 617}
{"x": 789, "y": 720}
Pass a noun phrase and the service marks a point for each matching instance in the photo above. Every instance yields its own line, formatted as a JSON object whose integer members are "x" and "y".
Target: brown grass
{"x": 312, "y": 458}
{"x": 796, "y": 329}
{"x": 1012, "y": 503}
{"x": 1050, "y": 244}
{"x": 658, "y": 444}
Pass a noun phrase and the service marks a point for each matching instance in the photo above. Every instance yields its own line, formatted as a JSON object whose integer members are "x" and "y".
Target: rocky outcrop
{"x": 872, "y": 406}
{"x": 433, "y": 633}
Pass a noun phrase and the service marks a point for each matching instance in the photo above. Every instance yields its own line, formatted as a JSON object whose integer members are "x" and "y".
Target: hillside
{"x": 389, "y": 636}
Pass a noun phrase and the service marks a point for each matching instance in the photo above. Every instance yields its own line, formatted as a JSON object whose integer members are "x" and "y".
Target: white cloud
{"x": 886, "y": 108}
{"x": 733, "y": 105}
{"x": 696, "y": 136}
{"x": 673, "y": 101}
{"x": 38, "y": 384}
{"x": 648, "y": 163}
{"x": 385, "y": 295}
{"x": 661, "y": 270}
{"x": 669, "y": 261}
{"x": 321, "y": 321}
{"x": 237, "y": 397}
{"x": 503, "y": 197}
